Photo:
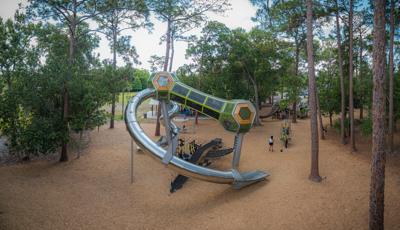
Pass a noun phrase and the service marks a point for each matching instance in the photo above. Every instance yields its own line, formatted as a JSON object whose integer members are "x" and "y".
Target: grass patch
{"x": 143, "y": 108}
{"x": 127, "y": 96}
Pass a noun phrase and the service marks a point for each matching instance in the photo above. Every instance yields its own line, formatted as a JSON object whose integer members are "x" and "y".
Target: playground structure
{"x": 275, "y": 111}
{"x": 235, "y": 116}
{"x": 198, "y": 153}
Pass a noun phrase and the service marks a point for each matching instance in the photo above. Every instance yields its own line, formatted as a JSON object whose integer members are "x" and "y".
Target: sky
{"x": 147, "y": 44}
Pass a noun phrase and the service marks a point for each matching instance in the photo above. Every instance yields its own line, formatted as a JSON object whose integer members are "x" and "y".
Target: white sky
{"x": 147, "y": 44}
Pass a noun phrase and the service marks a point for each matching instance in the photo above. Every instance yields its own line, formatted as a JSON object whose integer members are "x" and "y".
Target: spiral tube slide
{"x": 234, "y": 177}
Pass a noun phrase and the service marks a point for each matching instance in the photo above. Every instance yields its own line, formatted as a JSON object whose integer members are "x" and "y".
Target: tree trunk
{"x": 166, "y": 61}
{"x": 314, "y": 175}
{"x": 196, "y": 119}
{"x": 378, "y": 160}
{"x": 65, "y": 93}
{"x": 257, "y": 120}
{"x": 114, "y": 72}
{"x": 157, "y": 133}
{"x": 361, "y": 112}
{"x": 294, "y": 118}
{"x": 351, "y": 100}
{"x": 321, "y": 125}
{"x": 330, "y": 119}
{"x": 361, "y": 77}
{"x": 268, "y": 13}
{"x": 79, "y": 145}
{"x": 171, "y": 60}
{"x": 167, "y": 45}
{"x": 391, "y": 69}
{"x": 64, "y": 146}
{"x": 340, "y": 64}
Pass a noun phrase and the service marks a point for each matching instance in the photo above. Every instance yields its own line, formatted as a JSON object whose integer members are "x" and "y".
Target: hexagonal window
{"x": 244, "y": 113}
{"x": 162, "y": 81}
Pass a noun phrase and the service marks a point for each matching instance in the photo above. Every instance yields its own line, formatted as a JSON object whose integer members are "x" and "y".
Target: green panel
{"x": 229, "y": 108}
{"x": 244, "y": 128}
{"x": 162, "y": 95}
{"x": 228, "y": 122}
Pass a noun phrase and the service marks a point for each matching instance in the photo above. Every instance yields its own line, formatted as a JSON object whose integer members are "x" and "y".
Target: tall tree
{"x": 70, "y": 14}
{"x": 351, "y": 99}
{"x": 291, "y": 20}
{"x": 122, "y": 15}
{"x": 321, "y": 124}
{"x": 391, "y": 73}
{"x": 362, "y": 30}
{"x": 185, "y": 13}
{"x": 312, "y": 92}
{"x": 287, "y": 18}
{"x": 378, "y": 160}
{"x": 328, "y": 82}
{"x": 340, "y": 65}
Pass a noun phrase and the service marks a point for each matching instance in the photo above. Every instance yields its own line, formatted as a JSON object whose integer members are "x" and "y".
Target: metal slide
{"x": 168, "y": 157}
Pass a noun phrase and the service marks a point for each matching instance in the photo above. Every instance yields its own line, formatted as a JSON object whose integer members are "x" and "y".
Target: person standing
{"x": 271, "y": 144}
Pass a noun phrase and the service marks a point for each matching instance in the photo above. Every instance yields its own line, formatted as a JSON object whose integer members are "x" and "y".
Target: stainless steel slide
{"x": 233, "y": 176}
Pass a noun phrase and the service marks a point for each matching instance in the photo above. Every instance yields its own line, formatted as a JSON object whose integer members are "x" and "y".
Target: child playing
{"x": 271, "y": 144}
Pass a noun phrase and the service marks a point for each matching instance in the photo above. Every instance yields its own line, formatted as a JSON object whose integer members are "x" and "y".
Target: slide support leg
{"x": 131, "y": 160}
{"x": 237, "y": 150}
{"x": 170, "y": 149}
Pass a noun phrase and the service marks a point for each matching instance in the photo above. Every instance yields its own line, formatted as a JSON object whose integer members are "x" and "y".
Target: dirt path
{"x": 94, "y": 192}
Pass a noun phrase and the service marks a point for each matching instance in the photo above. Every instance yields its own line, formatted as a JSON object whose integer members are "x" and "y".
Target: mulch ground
{"x": 94, "y": 192}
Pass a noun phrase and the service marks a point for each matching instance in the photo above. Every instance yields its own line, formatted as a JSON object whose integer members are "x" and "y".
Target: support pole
{"x": 171, "y": 147}
{"x": 164, "y": 112}
{"x": 237, "y": 150}
{"x": 131, "y": 160}
{"x": 122, "y": 106}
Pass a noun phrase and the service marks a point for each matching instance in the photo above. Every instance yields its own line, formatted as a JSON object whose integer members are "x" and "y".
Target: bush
{"x": 336, "y": 125}
{"x": 366, "y": 126}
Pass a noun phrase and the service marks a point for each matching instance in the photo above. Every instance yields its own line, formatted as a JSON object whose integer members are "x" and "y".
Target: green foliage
{"x": 25, "y": 102}
{"x": 140, "y": 79}
{"x": 88, "y": 94}
{"x": 126, "y": 96}
{"x": 336, "y": 125}
{"x": 137, "y": 85}
{"x": 234, "y": 63}
{"x": 31, "y": 99}
{"x": 366, "y": 126}
{"x": 328, "y": 82}
{"x": 120, "y": 15}
{"x": 283, "y": 103}
{"x": 183, "y": 15}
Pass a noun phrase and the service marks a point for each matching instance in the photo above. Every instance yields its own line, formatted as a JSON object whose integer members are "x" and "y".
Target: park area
{"x": 95, "y": 192}
{"x": 199, "y": 114}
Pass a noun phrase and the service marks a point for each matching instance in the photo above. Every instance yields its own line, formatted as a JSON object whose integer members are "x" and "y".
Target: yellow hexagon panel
{"x": 244, "y": 113}
{"x": 163, "y": 81}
